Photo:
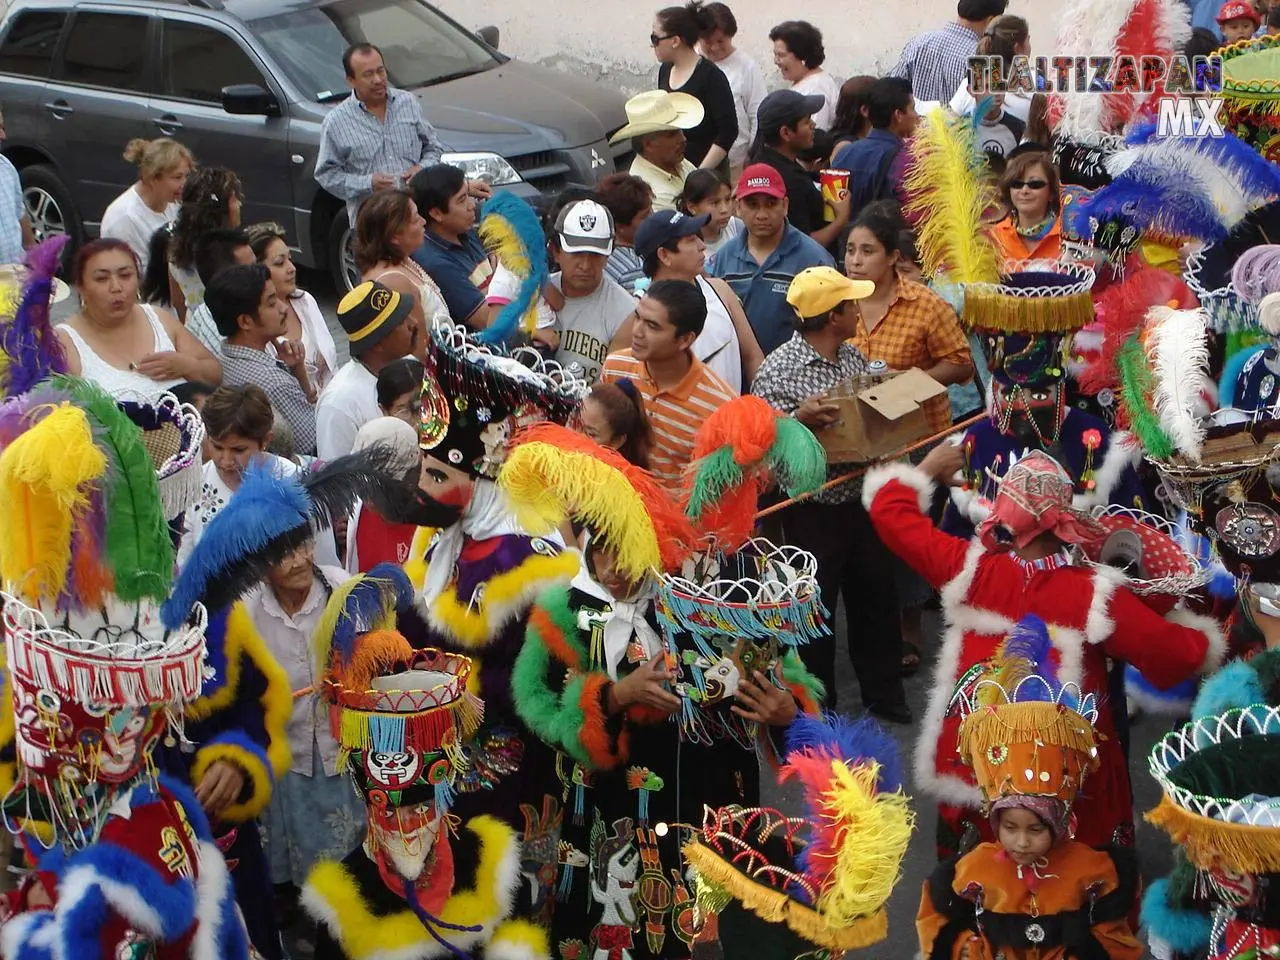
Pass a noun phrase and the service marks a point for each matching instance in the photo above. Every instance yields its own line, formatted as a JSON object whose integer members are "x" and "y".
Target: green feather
{"x": 794, "y": 671}
{"x": 713, "y": 475}
{"x": 797, "y": 458}
{"x": 138, "y": 546}
{"x": 1135, "y": 391}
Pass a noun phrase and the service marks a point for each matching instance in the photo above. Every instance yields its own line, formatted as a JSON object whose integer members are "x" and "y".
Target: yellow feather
{"x": 543, "y": 483}
{"x": 501, "y": 239}
{"x": 874, "y": 829}
{"x": 45, "y": 478}
{"x": 949, "y": 192}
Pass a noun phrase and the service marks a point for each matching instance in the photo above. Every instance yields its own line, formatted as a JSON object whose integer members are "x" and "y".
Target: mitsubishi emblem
{"x": 596, "y": 159}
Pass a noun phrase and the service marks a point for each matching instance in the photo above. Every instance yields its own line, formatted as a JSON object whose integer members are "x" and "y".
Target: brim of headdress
{"x": 1230, "y": 449}
{"x": 762, "y": 591}
{"x": 1033, "y": 297}
{"x": 1211, "y": 771}
{"x": 119, "y": 656}
{"x": 777, "y": 907}
{"x": 1084, "y": 163}
{"x": 173, "y": 434}
{"x": 1024, "y": 721}
{"x": 1251, "y": 76}
{"x": 1168, "y": 568}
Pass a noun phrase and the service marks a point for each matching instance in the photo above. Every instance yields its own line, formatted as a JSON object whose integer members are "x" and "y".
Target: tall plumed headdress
{"x": 822, "y": 880}
{"x": 475, "y": 398}
{"x": 86, "y": 560}
{"x": 1251, "y": 92}
{"x": 510, "y": 230}
{"x": 554, "y": 474}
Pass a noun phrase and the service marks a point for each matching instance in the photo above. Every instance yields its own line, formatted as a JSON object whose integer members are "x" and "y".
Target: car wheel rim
{"x": 350, "y": 272}
{"x": 46, "y": 216}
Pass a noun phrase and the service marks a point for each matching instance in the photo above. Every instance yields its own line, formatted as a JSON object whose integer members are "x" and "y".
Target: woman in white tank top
{"x": 124, "y": 346}
{"x": 388, "y": 230}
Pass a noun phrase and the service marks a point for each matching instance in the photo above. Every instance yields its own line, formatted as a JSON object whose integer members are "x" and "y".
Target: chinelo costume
{"x": 986, "y": 588}
{"x": 713, "y": 614}
{"x": 814, "y": 886}
{"x": 477, "y": 570}
{"x": 1032, "y": 747}
{"x": 423, "y": 883}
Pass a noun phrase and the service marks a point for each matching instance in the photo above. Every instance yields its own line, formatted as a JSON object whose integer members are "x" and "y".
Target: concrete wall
{"x": 608, "y": 40}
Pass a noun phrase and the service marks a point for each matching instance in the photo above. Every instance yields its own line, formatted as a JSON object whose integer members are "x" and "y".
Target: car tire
{"x": 49, "y": 204}
{"x": 342, "y": 264}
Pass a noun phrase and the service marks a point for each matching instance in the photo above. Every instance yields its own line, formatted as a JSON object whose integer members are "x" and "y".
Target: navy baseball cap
{"x": 660, "y": 228}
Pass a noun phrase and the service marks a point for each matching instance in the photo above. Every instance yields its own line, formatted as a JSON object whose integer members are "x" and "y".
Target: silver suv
{"x": 246, "y": 83}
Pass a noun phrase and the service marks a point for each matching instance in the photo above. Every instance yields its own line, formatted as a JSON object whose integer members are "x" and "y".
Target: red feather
{"x": 813, "y": 769}
{"x": 1138, "y": 38}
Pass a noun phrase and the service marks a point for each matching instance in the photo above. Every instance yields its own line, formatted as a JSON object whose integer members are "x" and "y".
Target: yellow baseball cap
{"x": 819, "y": 290}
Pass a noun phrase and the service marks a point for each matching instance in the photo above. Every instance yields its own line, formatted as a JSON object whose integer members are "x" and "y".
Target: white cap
{"x": 585, "y": 226}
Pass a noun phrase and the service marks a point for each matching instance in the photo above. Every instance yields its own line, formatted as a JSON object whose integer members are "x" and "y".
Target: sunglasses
{"x": 1033, "y": 184}
{"x": 654, "y": 39}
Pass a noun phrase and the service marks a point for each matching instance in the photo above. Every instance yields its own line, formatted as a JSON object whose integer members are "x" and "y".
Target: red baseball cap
{"x": 1238, "y": 10}
{"x": 761, "y": 178}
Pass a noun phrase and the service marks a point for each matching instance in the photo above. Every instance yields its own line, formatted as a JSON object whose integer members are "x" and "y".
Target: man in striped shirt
{"x": 936, "y": 64}
{"x": 679, "y": 390}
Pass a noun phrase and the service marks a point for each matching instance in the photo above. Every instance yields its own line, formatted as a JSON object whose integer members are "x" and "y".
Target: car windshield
{"x": 419, "y": 46}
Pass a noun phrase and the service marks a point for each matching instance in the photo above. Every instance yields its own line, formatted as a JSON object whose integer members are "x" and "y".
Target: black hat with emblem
{"x": 370, "y": 312}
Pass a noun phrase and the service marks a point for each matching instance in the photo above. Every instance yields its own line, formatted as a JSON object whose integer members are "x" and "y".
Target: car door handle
{"x": 60, "y": 109}
{"x": 168, "y": 124}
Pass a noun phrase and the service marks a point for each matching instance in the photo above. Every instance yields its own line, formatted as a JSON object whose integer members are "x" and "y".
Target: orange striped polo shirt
{"x": 675, "y": 414}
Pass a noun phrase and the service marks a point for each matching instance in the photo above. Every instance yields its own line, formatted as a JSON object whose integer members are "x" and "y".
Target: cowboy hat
{"x": 656, "y": 110}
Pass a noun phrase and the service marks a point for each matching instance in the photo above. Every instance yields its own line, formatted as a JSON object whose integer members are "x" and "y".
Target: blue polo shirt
{"x": 461, "y": 270}
{"x": 762, "y": 287}
{"x": 870, "y": 165}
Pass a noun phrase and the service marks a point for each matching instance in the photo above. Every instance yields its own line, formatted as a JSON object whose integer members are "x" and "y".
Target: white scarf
{"x": 625, "y": 619}
{"x": 486, "y": 516}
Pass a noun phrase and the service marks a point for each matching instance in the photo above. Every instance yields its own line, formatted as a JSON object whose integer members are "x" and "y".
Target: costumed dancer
{"x": 477, "y": 570}
{"x": 596, "y": 680}
{"x": 423, "y": 883}
{"x": 124, "y": 863}
{"x": 1024, "y": 321}
{"x": 1218, "y": 778}
{"x": 792, "y": 888}
{"x": 1035, "y": 891}
{"x": 1020, "y": 564}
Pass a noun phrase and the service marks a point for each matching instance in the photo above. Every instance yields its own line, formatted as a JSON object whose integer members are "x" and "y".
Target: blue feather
{"x": 851, "y": 740}
{"x": 398, "y": 581}
{"x": 1186, "y": 930}
{"x": 980, "y": 111}
{"x": 29, "y": 340}
{"x": 524, "y": 224}
{"x": 385, "y": 585}
{"x": 1235, "y": 685}
{"x": 1231, "y": 371}
{"x": 1153, "y": 199}
{"x": 265, "y": 508}
{"x": 1029, "y": 640}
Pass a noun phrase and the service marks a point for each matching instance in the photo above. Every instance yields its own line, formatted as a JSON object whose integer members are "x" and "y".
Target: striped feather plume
{"x": 1088, "y": 28}
{"x": 948, "y": 192}
{"x": 366, "y": 603}
{"x": 510, "y": 230}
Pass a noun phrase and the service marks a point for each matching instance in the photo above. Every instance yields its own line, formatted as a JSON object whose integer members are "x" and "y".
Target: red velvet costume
{"x": 984, "y": 595}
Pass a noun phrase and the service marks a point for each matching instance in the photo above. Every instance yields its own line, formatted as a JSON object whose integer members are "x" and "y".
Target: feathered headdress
{"x": 29, "y": 343}
{"x": 270, "y": 516}
{"x": 1251, "y": 91}
{"x": 742, "y": 446}
{"x": 554, "y": 474}
{"x": 510, "y": 230}
{"x": 948, "y": 192}
{"x": 826, "y": 876}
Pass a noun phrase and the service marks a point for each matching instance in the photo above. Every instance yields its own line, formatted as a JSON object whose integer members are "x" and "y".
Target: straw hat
{"x": 656, "y": 111}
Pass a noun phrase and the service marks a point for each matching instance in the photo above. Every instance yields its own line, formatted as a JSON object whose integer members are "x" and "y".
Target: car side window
{"x": 28, "y": 46}
{"x": 198, "y": 62}
{"x": 106, "y": 50}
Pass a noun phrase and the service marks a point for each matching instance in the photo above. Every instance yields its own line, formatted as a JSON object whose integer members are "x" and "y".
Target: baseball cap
{"x": 663, "y": 226}
{"x": 371, "y": 311}
{"x": 1238, "y": 10}
{"x": 761, "y": 178}
{"x": 585, "y": 226}
{"x": 786, "y": 108}
{"x": 819, "y": 290}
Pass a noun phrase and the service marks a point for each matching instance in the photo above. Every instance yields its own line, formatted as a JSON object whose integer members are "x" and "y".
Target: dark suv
{"x": 246, "y": 83}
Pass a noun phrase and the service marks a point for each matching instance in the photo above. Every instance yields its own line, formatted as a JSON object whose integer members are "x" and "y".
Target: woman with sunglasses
{"x": 676, "y": 31}
{"x": 1033, "y": 228}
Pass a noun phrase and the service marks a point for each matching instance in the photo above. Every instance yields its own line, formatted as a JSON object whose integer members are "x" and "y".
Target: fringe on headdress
{"x": 1242, "y": 847}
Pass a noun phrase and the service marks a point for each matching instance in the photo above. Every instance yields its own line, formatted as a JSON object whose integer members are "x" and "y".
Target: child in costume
{"x": 124, "y": 863}
{"x": 597, "y": 682}
{"x": 423, "y": 883}
{"x": 793, "y": 888}
{"x": 1036, "y": 891}
{"x": 1019, "y": 564}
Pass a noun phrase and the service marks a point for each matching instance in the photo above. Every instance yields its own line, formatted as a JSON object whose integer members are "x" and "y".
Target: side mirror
{"x": 489, "y": 35}
{"x": 249, "y": 99}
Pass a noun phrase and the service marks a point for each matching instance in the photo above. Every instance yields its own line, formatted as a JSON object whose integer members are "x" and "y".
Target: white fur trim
{"x": 33, "y": 928}
{"x": 905, "y": 474}
{"x": 502, "y": 949}
{"x": 1215, "y": 639}
{"x": 971, "y": 505}
{"x": 123, "y": 898}
{"x": 213, "y": 887}
{"x": 1123, "y": 452}
{"x": 1098, "y": 625}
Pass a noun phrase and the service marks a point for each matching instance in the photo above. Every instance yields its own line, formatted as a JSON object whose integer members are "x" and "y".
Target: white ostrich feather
{"x": 1177, "y": 350}
{"x": 1088, "y": 28}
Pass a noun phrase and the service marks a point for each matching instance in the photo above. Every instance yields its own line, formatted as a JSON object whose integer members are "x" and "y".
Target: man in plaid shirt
{"x": 936, "y": 64}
